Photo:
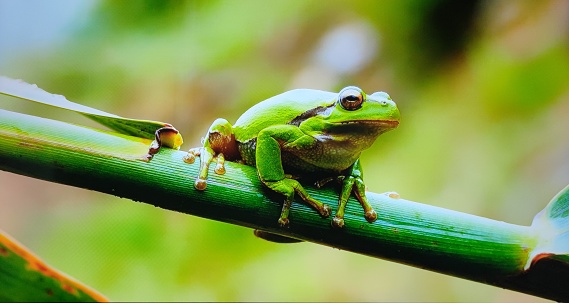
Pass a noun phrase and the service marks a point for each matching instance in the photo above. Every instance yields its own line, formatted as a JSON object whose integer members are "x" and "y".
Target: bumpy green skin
{"x": 306, "y": 134}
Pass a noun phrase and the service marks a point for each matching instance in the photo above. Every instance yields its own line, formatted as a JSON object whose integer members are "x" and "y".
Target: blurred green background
{"x": 482, "y": 87}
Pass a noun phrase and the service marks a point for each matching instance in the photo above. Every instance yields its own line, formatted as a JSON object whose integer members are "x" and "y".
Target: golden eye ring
{"x": 351, "y": 98}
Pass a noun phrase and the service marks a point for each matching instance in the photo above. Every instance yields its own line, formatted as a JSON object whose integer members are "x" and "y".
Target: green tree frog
{"x": 302, "y": 134}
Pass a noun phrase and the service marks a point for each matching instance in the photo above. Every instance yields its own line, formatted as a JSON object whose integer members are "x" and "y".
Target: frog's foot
{"x": 288, "y": 187}
{"x": 166, "y": 136}
{"x": 370, "y": 216}
{"x": 206, "y": 157}
{"x": 218, "y": 144}
{"x": 220, "y": 164}
{"x": 337, "y": 222}
{"x": 283, "y": 222}
{"x": 356, "y": 185}
{"x": 200, "y": 184}
{"x": 360, "y": 192}
{"x": 190, "y": 157}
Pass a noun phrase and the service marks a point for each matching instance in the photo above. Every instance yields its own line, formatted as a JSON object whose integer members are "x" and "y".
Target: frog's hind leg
{"x": 271, "y": 172}
{"x": 288, "y": 187}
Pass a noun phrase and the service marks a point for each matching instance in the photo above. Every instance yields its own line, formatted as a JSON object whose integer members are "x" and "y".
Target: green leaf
{"x": 551, "y": 227}
{"x": 134, "y": 127}
{"x": 26, "y": 278}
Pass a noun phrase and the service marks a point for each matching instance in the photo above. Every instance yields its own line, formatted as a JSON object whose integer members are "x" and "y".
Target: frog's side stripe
{"x": 317, "y": 111}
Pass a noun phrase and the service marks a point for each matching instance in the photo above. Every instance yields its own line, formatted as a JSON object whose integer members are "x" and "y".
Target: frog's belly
{"x": 317, "y": 161}
{"x": 321, "y": 159}
{"x": 292, "y": 164}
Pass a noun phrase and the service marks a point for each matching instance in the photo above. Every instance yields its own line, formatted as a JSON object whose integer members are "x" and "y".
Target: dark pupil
{"x": 352, "y": 98}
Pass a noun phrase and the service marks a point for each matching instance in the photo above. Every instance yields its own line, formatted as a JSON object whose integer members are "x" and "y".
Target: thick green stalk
{"x": 420, "y": 235}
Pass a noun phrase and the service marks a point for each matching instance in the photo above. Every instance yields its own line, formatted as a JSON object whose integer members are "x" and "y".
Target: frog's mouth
{"x": 362, "y": 127}
{"x": 387, "y": 124}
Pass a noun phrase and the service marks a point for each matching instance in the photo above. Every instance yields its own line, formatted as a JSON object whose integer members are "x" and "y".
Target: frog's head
{"x": 357, "y": 114}
{"x": 353, "y": 119}
{"x": 354, "y": 106}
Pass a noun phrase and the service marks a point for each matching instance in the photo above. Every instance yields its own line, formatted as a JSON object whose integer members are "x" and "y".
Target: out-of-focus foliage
{"x": 26, "y": 278}
{"x": 481, "y": 86}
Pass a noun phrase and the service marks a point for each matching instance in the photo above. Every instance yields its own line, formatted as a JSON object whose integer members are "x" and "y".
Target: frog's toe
{"x": 283, "y": 222}
{"x": 219, "y": 169}
{"x": 200, "y": 184}
{"x": 337, "y": 222}
{"x": 189, "y": 158}
{"x": 326, "y": 211}
{"x": 371, "y": 216}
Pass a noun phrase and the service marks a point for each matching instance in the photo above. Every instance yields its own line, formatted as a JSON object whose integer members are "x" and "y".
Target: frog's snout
{"x": 392, "y": 111}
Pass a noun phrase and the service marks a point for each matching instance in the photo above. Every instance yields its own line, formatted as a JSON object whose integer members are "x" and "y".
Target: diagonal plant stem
{"x": 437, "y": 239}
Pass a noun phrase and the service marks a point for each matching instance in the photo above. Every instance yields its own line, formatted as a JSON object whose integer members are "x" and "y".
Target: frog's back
{"x": 280, "y": 109}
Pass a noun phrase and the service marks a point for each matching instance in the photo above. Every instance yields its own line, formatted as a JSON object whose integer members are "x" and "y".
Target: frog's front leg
{"x": 218, "y": 144}
{"x": 270, "y": 141}
{"x": 353, "y": 182}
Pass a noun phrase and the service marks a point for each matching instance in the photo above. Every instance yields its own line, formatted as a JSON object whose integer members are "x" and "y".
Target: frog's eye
{"x": 351, "y": 98}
